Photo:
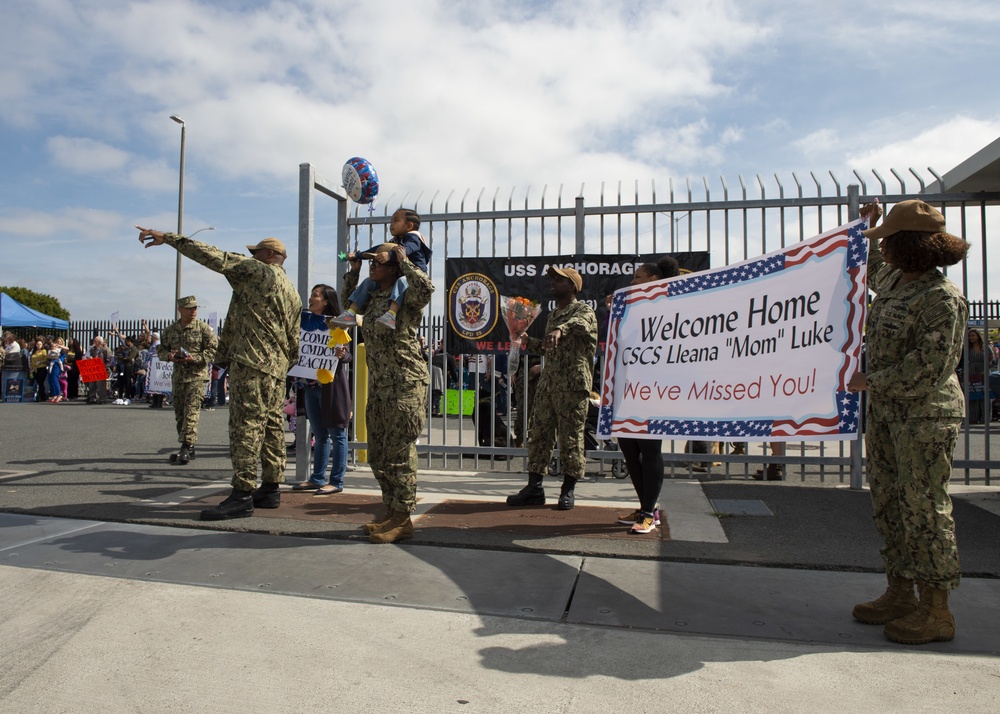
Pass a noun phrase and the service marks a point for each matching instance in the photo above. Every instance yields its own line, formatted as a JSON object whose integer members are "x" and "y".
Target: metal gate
{"x": 731, "y": 223}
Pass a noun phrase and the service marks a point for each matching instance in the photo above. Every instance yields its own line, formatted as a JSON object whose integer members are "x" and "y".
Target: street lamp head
{"x": 176, "y": 118}
{"x": 206, "y": 228}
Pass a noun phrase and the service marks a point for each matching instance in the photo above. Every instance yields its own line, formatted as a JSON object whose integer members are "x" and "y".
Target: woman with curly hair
{"x": 915, "y": 333}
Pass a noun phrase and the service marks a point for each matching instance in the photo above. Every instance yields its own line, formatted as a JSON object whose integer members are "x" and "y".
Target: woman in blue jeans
{"x": 328, "y": 408}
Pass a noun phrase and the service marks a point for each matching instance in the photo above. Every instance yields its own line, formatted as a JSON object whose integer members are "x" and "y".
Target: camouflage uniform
{"x": 561, "y": 399}
{"x": 189, "y": 381}
{"x": 915, "y": 333}
{"x": 397, "y": 388}
{"x": 260, "y": 342}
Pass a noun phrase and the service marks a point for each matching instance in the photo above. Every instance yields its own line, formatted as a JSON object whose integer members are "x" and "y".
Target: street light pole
{"x": 180, "y": 211}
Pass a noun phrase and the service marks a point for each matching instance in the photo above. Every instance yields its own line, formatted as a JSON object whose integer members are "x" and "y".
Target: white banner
{"x": 159, "y": 376}
{"x": 314, "y": 350}
{"x": 760, "y": 350}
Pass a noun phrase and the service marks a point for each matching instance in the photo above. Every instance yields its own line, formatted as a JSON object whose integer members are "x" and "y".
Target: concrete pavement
{"x": 117, "y": 598}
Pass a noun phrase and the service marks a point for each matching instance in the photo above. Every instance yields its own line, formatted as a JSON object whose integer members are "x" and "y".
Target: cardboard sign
{"x": 314, "y": 350}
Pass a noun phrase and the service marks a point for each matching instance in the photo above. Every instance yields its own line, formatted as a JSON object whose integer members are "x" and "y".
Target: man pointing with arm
{"x": 260, "y": 341}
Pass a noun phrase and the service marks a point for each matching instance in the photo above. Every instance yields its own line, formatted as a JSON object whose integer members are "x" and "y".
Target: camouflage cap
{"x": 189, "y": 301}
{"x": 384, "y": 248}
{"x": 570, "y": 273}
{"x": 914, "y": 215}
{"x": 271, "y": 244}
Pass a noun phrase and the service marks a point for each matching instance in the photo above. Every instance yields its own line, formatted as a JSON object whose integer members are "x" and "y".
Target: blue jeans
{"x": 367, "y": 286}
{"x": 323, "y": 453}
{"x": 52, "y": 382}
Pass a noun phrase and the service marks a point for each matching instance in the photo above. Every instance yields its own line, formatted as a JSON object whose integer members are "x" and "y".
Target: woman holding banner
{"x": 644, "y": 457}
{"x": 915, "y": 333}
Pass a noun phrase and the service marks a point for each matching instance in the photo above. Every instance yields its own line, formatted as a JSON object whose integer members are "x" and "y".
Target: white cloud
{"x": 85, "y": 156}
{"x": 819, "y": 143}
{"x": 67, "y": 225}
{"x": 513, "y": 94}
{"x": 940, "y": 147}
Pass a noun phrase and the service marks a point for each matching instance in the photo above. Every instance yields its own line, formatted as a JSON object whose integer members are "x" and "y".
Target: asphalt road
{"x": 110, "y": 463}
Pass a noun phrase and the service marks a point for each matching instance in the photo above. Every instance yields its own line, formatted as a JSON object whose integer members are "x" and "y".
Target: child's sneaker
{"x": 656, "y": 516}
{"x": 644, "y": 525}
{"x": 344, "y": 319}
{"x": 388, "y": 320}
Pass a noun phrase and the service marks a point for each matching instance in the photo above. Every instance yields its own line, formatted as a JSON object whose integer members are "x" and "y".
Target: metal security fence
{"x": 732, "y": 222}
{"x": 114, "y": 333}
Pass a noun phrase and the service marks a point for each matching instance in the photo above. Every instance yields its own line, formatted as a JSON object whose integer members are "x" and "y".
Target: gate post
{"x": 580, "y": 242}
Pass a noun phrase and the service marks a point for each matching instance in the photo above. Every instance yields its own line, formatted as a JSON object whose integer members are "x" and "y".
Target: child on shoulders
{"x": 403, "y": 229}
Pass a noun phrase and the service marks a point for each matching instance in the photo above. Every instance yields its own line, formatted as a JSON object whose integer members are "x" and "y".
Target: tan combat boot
{"x": 897, "y": 601}
{"x": 932, "y": 621}
{"x": 379, "y": 521}
{"x": 398, "y": 527}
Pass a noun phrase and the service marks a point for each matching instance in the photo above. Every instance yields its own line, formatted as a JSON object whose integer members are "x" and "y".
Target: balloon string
{"x": 371, "y": 213}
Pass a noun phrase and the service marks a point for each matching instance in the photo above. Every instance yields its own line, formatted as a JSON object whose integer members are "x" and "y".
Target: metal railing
{"x": 731, "y": 223}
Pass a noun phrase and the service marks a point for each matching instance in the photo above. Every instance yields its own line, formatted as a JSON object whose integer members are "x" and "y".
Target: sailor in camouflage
{"x": 397, "y": 386}
{"x": 259, "y": 343}
{"x": 915, "y": 332}
{"x": 190, "y": 345}
{"x": 561, "y": 399}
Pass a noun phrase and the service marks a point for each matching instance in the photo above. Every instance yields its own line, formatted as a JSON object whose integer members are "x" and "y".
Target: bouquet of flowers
{"x": 518, "y": 313}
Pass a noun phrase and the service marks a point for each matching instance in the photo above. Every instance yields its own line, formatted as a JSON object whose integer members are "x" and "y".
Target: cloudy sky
{"x": 441, "y": 96}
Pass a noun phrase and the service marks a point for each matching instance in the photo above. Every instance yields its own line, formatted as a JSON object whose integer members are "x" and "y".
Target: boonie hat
{"x": 913, "y": 215}
{"x": 384, "y": 248}
{"x": 570, "y": 273}
{"x": 189, "y": 301}
{"x": 271, "y": 244}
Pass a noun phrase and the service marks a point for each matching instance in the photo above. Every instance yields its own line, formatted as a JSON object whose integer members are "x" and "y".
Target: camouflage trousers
{"x": 188, "y": 397}
{"x": 909, "y": 466}
{"x": 561, "y": 415}
{"x": 395, "y": 420}
{"x": 256, "y": 426}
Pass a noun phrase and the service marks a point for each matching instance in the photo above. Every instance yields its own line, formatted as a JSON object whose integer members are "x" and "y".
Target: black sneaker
{"x": 267, "y": 496}
{"x": 238, "y": 504}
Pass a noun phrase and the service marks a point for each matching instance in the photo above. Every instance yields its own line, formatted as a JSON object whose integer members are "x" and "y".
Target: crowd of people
{"x": 47, "y": 370}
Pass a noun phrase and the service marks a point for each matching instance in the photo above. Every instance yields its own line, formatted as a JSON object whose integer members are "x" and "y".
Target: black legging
{"x": 41, "y": 376}
{"x": 644, "y": 461}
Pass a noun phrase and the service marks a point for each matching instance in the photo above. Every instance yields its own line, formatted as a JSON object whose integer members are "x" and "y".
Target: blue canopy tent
{"x": 14, "y": 314}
